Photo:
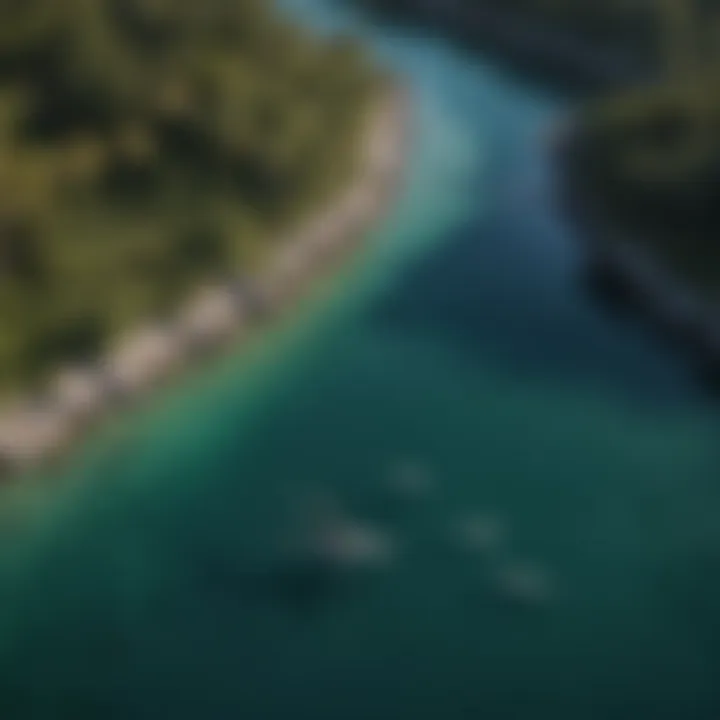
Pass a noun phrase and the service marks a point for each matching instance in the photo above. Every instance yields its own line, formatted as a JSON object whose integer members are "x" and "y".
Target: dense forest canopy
{"x": 146, "y": 144}
{"x": 651, "y": 154}
{"x": 635, "y": 25}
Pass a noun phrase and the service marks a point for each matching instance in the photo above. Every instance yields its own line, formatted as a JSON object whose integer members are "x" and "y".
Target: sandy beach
{"x": 33, "y": 431}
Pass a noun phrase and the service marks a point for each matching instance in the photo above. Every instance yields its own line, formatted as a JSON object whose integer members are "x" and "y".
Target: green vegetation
{"x": 648, "y": 156}
{"x": 616, "y": 23}
{"x": 146, "y": 145}
{"x": 620, "y": 24}
{"x": 651, "y": 155}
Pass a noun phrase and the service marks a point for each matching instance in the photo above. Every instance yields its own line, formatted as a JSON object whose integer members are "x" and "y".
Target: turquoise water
{"x": 461, "y": 338}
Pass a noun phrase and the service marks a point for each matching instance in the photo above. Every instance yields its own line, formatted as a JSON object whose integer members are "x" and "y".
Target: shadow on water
{"x": 619, "y": 300}
{"x": 527, "y": 53}
{"x": 300, "y": 586}
{"x": 269, "y": 565}
{"x": 503, "y": 291}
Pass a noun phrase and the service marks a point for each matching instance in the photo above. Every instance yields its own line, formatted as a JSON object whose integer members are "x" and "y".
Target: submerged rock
{"x": 480, "y": 533}
{"x": 524, "y": 584}
{"x": 353, "y": 545}
{"x": 336, "y": 539}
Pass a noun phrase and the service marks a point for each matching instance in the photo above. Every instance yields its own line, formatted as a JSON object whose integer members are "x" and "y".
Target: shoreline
{"x": 617, "y": 268}
{"x": 625, "y": 274}
{"x": 35, "y": 432}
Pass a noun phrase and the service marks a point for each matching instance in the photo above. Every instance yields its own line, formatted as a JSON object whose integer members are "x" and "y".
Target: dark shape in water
{"x": 296, "y": 585}
{"x": 608, "y": 288}
{"x": 300, "y": 586}
{"x": 411, "y": 479}
{"x": 342, "y": 543}
{"x": 332, "y": 537}
{"x": 707, "y": 373}
{"x": 479, "y": 533}
{"x": 309, "y": 571}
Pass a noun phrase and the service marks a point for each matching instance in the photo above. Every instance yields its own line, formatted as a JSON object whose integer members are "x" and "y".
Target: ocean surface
{"x": 150, "y": 579}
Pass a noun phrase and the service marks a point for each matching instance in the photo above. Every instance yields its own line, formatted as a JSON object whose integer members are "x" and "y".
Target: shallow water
{"x": 460, "y": 340}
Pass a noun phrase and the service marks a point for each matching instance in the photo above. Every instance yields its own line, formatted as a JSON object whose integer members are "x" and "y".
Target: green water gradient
{"x": 140, "y": 584}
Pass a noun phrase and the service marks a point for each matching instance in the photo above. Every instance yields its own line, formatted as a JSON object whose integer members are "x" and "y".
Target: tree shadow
{"x": 489, "y": 294}
{"x": 304, "y": 587}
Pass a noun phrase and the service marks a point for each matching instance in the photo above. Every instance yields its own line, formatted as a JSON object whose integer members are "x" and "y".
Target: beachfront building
{"x": 212, "y": 316}
{"x": 79, "y": 392}
{"x": 29, "y": 433}
{"x": 293, "y": 265}
{"x": 330, "y": 231}
{"x": 141, "y": 358}
{"x": 360, "y": 206}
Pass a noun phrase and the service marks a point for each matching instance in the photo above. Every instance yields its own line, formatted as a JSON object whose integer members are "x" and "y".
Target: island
{"x": 172, "y": 172}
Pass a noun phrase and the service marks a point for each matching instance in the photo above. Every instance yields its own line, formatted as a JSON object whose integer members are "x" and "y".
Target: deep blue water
{"x": 152, "y": 583}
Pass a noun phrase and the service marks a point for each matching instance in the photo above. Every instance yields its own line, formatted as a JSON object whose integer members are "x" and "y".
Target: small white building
{"x": 330, "y": 229}
{"x": 79, "y": 392}
{"x": 141, "y": 358}
{"x": 212, "y": 315}
{"x": 29, "y": 434}
{"x": 291, "y": 265}
{"x": 382, "y": 144}
{"x": 360, "y": 205}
